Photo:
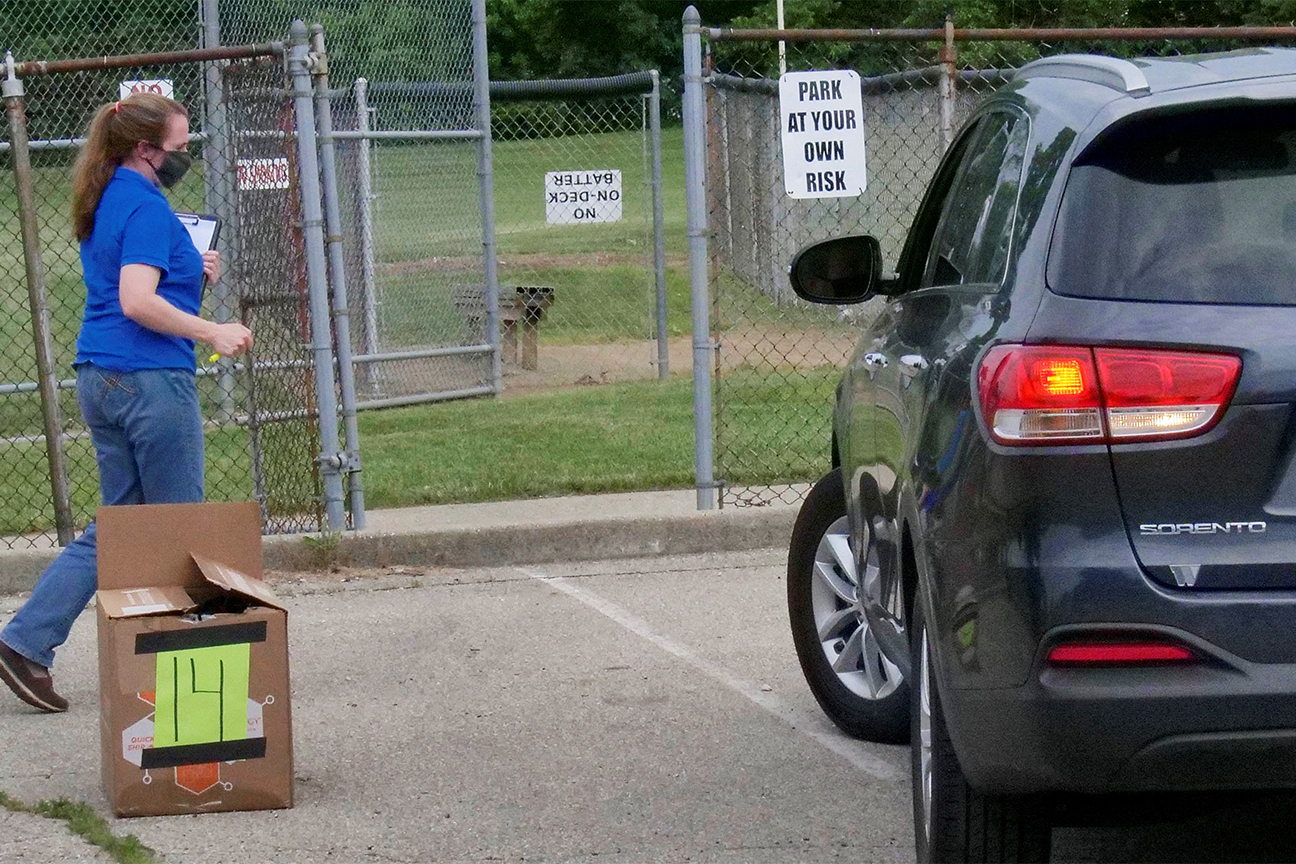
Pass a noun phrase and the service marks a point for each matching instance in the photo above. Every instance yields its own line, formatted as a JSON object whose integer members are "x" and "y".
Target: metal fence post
{"x": 331, "y": 457}
{"x": 368, "y": 269}
{"x": 337, "y": 270}
{"x": 948, "y": 58}
{"x": 485, "y": 173}
{"x": 695, "y": 194}
{"x": 659, "y": 225}
{"x": 218, "y": 191}
{"x": 12, "y": 91}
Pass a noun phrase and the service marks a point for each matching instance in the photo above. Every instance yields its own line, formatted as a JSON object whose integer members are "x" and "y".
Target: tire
{"x": 856, "y": 686}
{"x": 953, "y": 821}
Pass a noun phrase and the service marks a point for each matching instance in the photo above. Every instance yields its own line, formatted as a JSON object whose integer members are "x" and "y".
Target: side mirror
{"x": 838, "y": 271}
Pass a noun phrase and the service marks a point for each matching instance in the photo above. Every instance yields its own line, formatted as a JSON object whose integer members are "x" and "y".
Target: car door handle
{"x": 912, "y": 364}
{"x": 874, "y": 360}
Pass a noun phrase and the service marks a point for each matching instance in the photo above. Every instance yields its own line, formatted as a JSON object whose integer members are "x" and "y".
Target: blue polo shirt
{"x": 134, "y": 224}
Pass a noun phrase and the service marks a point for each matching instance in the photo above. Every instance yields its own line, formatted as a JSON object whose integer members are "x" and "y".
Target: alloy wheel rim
{"x": 849, "y": 645}
{"x": 925, "y": 735}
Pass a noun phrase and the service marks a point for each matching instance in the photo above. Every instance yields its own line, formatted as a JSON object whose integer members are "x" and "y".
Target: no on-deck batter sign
{"x": 575, "y": 197}
{"x": 823, "y": 134}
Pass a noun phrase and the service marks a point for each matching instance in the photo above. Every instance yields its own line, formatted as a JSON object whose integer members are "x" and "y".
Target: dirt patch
{"x": 567, "y": 366}
{"x": 564, "y": 366}
{"x": 770, "y": 347}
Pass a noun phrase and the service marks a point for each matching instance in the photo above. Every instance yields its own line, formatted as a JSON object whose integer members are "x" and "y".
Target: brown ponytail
{"x": 115, "y": 130}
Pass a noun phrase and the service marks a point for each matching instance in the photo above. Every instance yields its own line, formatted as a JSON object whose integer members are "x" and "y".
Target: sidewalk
{"x": 535, "y": 531}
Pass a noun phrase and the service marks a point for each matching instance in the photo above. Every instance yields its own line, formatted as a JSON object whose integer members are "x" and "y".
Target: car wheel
{"x": 953, "y": 821}
{"x": 856, "y": 685}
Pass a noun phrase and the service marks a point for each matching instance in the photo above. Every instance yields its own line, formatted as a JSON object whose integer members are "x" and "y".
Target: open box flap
{"x": 147, "y": 545}
{"x": 234, "y": 582}
{"x": 140, "y": 602}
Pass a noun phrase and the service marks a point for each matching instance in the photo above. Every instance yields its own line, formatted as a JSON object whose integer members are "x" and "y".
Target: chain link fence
{"x": 408, "y": 187}
{"x": 262, "y": 424}
{"x": 776, "y": 358}
{"x": 412, "y": 212}
{"x": 57, "y": 110}
{"x": 580, "y": 295}
{"x": 581, "y": 258}
{"x": 264, "y": 435}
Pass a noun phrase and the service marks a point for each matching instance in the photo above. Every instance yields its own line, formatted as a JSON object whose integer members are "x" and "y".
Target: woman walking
{"x": 135, "y": 357}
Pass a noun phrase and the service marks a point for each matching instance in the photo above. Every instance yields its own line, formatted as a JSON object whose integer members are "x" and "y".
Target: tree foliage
{"x": 761, "y": 58}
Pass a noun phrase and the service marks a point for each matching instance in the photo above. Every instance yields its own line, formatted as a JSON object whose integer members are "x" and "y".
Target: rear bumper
{"x": 1224, "y": 723}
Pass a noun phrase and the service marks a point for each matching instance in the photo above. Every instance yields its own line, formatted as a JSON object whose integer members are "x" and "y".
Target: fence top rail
{"x": 1045, "y": 34}
{"x": 891, "y": 81}
{"x": 125, "y": 61}
{"x": 633, "y": 82}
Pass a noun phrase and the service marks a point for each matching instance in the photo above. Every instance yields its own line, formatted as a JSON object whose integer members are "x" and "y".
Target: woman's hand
{"x": 230, "y": 340}
{"x": 211, "y": 267}
{"x": 140, "y": 303}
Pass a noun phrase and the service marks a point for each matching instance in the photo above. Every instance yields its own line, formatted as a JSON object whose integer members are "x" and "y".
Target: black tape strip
{"x": 201, "y": 754}
{"x": 200, "y": 637}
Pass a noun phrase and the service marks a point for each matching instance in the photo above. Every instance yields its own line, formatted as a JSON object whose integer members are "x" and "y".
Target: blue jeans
{"x": 148, "y": 437}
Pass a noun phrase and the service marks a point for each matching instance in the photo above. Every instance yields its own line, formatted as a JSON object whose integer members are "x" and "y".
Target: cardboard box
{"x": 195, "y": 714}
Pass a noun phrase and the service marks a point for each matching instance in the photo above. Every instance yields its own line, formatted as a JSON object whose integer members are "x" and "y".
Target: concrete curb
{"x": 428, "y": 541}
{"x": 20, "y": 568}
{"x": 502, "y": 546}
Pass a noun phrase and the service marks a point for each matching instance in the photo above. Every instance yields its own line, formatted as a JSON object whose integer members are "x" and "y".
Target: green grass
{"x": 427, "y": 205}
{"x": 774, "y": 426}
{"x": 25, "y": 468}
{"x": 606, "y": 304}
{"x": 616, "y": 438}
{"x": 602, "y": 439}
{"x": 427, "y": 213}
{"x": 83, "y": 821}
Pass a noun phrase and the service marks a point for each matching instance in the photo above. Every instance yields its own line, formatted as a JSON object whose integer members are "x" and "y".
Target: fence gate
{"x": 263, "y": 430}
{"x": 572, "y": 165}
{"x": 408, "y": 192}
{"x": 578, "y": 215}
{"x": 406, "y": 189}
{"x": 766, "y": 363}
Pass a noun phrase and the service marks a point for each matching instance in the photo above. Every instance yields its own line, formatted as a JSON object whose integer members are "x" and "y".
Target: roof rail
{"x": 1121, "y": 75}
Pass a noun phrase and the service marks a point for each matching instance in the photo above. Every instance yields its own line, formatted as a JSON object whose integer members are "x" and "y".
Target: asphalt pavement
{"x": 629, "y": 710}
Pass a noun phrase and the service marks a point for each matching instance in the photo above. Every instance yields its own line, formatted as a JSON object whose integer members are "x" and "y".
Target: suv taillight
{"x": 1065, "y": 394}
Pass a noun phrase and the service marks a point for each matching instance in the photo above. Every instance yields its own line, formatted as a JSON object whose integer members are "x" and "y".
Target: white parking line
{"x": 847, "y": 748}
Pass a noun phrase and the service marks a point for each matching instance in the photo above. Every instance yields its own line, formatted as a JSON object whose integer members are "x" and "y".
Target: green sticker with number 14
{"x": 202, "y": 695}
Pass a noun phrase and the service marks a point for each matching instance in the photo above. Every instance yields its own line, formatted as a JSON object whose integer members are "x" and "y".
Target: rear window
{"x": 1197, "y": 208}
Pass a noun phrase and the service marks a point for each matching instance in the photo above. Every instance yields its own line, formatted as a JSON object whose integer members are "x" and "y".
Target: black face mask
{"x": 174, "y": 166}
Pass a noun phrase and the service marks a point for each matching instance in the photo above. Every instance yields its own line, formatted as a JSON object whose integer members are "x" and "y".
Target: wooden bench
{"x": 523, "y": 305}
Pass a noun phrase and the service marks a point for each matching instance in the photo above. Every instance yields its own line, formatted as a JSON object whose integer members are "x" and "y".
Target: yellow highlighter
{"x": 213, "y": 358}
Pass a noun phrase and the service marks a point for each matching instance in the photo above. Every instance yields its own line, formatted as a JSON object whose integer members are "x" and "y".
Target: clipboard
{"x": 204, "y": 231}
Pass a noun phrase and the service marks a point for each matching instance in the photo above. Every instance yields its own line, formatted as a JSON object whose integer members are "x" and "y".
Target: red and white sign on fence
{"x": 160, "y": 86}
{"x": 263, "y": 173}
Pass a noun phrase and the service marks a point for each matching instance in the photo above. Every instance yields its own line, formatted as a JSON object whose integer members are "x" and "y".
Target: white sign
{"x": 823, "y": 134}
{"x": 263, "y": 173}
{"x": 577, "y": 197}
{"x": 160, "y": 86}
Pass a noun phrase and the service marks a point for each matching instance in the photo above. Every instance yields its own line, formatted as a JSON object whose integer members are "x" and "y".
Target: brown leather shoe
{"x": 30, "y": 682}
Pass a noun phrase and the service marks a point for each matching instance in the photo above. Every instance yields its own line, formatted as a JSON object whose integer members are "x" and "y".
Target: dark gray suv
{"x": 1057, "y": 547}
